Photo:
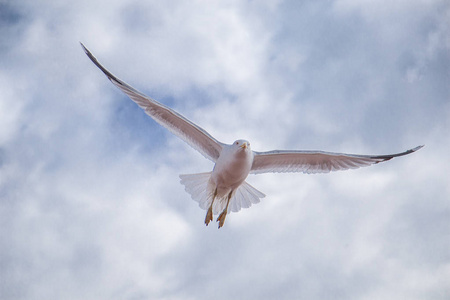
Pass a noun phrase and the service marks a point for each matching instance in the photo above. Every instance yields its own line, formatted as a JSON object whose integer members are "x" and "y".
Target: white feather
{"x": 197, "y": 186}
{"x": 244, "y": 197}
{"x": 282, "y": 161}
{"x": 201, "y": 190}
{"x": 234, "y": 162}
{"x": 189, "y": 132}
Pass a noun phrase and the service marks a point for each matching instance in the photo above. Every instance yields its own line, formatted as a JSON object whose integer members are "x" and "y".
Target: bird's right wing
{"x": 192, "y": 134}
{"x": 280, "y": 161}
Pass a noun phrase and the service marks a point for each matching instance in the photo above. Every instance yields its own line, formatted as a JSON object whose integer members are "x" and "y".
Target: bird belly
{"x": 229, "y": 177}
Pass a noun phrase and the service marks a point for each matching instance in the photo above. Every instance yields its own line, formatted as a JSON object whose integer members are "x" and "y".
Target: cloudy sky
{"x": 90, "y": 201}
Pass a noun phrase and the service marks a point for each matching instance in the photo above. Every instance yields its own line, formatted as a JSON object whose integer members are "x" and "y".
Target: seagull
{"x": 224, "y": 189}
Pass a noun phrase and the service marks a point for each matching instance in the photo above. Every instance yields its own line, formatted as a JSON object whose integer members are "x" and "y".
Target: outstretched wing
{"x": 280, "y": 161}
{"x": 192, "y": 134}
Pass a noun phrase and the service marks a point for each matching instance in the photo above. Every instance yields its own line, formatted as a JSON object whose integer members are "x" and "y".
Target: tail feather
{"x": 201, "y": 189}
{"x": 245, "y": 196}
{"x": 197, "y": 186}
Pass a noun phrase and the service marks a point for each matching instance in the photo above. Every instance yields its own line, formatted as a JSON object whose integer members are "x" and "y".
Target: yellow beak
{"x": 244, "y": 146}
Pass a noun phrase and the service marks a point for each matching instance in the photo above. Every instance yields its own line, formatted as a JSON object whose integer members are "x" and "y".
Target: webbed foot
{"x": 221, "y": 218}
{"x": 209, "y": 216}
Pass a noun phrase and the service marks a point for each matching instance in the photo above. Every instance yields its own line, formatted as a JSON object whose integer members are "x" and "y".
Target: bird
{"x": 224, "y": 189}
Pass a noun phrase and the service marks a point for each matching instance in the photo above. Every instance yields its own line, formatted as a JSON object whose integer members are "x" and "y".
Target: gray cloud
{"x": 90, "y": 203}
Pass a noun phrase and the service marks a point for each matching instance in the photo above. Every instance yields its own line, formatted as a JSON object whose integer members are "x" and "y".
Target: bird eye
{"x": 237, "y": 143}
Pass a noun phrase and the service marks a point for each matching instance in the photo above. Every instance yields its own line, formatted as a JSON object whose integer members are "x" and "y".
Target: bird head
{"x": 243, "y": 144}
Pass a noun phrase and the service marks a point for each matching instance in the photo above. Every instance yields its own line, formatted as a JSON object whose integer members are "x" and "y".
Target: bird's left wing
{"x": 280, "y": 161}
{"x": 192, "y": 134}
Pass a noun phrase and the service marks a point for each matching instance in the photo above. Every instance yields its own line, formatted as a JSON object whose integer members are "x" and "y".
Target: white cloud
{"x": 91, "y": 205}
{"x": 10, "y": 109}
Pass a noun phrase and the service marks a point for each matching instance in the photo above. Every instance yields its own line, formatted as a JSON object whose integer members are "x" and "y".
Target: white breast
{"x": 231, "y": 169}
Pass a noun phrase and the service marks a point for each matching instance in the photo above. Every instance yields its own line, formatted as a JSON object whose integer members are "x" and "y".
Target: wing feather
{"x": 282, "y": 161}
{"x": 192, "y": 134}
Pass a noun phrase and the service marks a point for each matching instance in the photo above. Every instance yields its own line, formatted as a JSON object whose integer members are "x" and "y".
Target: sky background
{"x": 90, "y": 201}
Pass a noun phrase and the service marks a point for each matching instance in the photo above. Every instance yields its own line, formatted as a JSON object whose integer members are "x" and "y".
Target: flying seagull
{"x": 224, "y": 188}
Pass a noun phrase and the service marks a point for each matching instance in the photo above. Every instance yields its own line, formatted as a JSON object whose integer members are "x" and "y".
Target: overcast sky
{"x": 90, "y": 201}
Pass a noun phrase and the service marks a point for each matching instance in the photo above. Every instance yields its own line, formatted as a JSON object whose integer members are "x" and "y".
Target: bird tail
{"x": 200, "y": 187}
{"x": 244, "y": 196}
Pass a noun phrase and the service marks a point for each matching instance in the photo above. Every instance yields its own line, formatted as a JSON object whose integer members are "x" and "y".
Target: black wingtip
{"x": 99, "y": 65}
{"x": 417, "y": 148}
{"x": 84, "y": 48}
{"x": 413, "y": 149}
{"x": 89, "y": 54}
{"x": 391, "y": 156}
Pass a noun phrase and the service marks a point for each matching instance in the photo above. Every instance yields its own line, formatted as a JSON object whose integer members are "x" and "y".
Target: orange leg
{"x": 209, "y": 213}
{"x": 223, "y": 214}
